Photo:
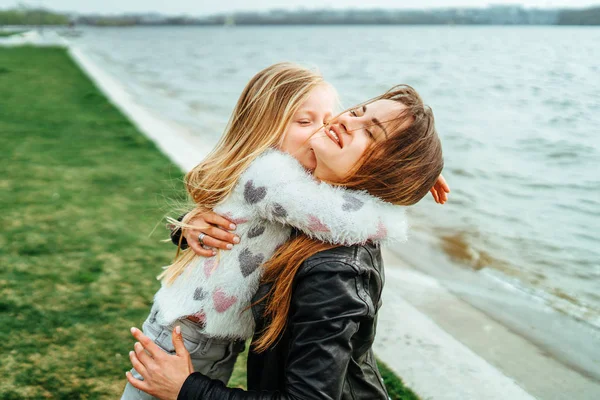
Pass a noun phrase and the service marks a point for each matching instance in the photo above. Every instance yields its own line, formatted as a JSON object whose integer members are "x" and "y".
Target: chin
{"x": 324, "y": 174}
{"x": 309, "y": 162}
{"x": 310, "y": 168}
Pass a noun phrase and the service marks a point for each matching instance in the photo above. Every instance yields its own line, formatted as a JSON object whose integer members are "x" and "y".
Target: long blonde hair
{"x": 263, "y": 112}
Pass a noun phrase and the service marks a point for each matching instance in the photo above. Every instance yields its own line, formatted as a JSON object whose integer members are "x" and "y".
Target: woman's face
{"x": 340, "y": 145}
{"x": 316, "y": 110}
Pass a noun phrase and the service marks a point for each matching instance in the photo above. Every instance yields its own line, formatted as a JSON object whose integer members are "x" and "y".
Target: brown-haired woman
{"x": 316, "y": 309}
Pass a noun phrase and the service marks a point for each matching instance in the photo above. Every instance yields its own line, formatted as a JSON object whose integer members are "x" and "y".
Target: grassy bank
{"x": 83, "y": 193}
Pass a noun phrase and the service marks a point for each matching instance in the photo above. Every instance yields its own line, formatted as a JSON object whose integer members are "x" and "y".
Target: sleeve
{"x": 325, "y": 313}
{"x": 200, "y": 387}
{"x": 279, "y": 189}
{"x": 176, "y": 235}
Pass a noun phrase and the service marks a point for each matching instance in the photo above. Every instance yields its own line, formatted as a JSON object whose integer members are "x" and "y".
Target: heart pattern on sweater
{"x": 222, "y": 301}
{"x": 352, "y": 203}
{"x": 381, "y": 232}
{"x": 256, "y": 231}
{"x": 209, "y": 266}
{"x": 279, "y": 211}
{"x": 199, "y": 294}
{"x": 315, "y": 224}
{"x": 249, "y": 262}
{"x": 253, "y": 194}
{"x": 200, "y": 316}
{"x": 235, "y": 220}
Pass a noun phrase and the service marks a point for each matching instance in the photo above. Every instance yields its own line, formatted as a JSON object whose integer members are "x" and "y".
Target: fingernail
{"x": 131, "y": 352}
{"x": 214, "y": 252}
{"x": 232, "y": 226}
{"x": 178, "y": 330}
{"x": 229, "y": 246}
{"x": 132, "y": 330}
{"x": 236, "y": 239}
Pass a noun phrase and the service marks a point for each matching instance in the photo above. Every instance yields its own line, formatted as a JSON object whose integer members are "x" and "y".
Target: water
{"x": 517, "y": 108}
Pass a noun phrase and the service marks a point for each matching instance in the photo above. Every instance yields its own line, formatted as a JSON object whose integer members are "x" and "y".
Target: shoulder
{"x": 342, "y": 279}
{"x": 357, "y": 259}
{"x": 274, "y": 164}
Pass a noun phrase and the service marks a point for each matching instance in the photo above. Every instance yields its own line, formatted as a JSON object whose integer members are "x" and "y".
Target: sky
{"x": 206, "y": 7}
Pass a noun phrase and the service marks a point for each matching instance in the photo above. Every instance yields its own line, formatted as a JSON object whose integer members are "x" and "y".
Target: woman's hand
{"x": 163, "y": 373}
{"x": 440, "y": 190}
{"x": 216, "y": 230}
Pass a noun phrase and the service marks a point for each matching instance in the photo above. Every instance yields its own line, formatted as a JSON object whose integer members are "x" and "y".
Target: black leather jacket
{"x": 325, "y": 351}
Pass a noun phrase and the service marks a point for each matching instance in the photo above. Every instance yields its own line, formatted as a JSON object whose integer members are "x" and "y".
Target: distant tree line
{"x": 494, "y": 15}
{"x": 130, "y": 20}
{"x": 589, "y": 16}
{"x": 32, "y": 17}
{"x": 499, "y": 15}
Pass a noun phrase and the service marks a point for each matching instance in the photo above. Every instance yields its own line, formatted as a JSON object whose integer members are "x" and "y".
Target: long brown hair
{"x": 261, "y": 115}
{"x": 399, "y": 170}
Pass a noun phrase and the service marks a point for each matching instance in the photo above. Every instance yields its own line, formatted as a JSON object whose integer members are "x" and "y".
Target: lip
{"x": 338, "y": 132}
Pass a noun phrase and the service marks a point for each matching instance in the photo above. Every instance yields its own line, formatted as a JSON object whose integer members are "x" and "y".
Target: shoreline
{"x": 179, "y": 145}
{"x": 494, "y": 341}
{"x": 572, "y": 342}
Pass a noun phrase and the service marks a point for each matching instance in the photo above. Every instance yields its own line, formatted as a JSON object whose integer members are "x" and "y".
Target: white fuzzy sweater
{"x": 274, "y": 195}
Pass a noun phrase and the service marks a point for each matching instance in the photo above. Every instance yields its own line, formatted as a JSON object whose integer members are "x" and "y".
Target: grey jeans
{"x": 212, "y": 357}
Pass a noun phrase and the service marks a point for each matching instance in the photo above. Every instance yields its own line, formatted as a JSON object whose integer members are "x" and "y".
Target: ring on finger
{"x": 201, "y": 237}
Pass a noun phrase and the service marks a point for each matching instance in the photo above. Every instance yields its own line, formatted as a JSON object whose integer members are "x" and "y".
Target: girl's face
{"x": 316, "y": 111}
{"x": 340, "y": 145}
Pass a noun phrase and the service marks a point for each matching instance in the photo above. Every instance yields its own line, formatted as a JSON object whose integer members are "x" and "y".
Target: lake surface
{"x": 517, "y": 108}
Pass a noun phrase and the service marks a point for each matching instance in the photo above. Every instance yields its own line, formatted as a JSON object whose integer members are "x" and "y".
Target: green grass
{"x": 82, "y": 195}
{"x": 6, "y": 34}
{"x": 394, "y": 385}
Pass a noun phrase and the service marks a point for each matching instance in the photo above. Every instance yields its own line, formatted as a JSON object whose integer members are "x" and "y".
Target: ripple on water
{"x": 563, "y": 151}
{"x": 511, "y": 193}
{"x": 461, "y": 172}
{"x": 592, "y": 212}
{"x": 499, "y": 87}
{"x": 562, "y": 154}
{"x": 560, "y": 103}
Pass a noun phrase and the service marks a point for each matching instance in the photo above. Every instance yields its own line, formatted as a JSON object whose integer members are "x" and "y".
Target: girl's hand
{"x": 440, "y": 190}
{"x": 163, "y": 373}
{"x": 216, "y": 230}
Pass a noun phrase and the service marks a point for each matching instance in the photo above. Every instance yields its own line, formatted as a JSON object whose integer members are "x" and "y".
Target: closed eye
{"x": 305, "y": 122}
{"x": 354, "y": 114}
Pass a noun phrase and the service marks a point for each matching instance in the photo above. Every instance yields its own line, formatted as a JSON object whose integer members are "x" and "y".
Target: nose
{"x": 344, "y": 121}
